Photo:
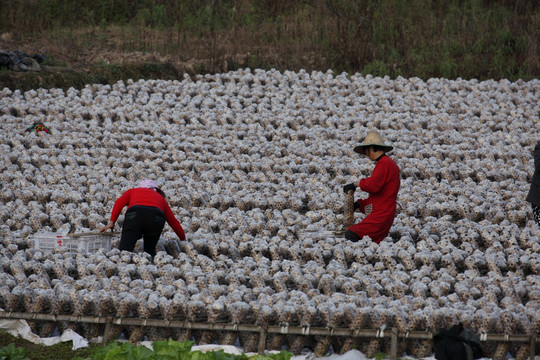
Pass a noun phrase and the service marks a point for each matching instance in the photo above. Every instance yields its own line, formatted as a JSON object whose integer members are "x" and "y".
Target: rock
{"x": 21, "y": 61}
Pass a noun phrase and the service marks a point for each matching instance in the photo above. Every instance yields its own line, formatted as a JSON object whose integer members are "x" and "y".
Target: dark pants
{"x": 142, "y": 221}
{"x": 351, "y": 235}
{"x": 536, "y": 214}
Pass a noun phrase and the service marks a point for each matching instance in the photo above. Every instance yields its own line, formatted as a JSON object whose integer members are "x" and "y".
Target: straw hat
{"x": 372, "y": 139}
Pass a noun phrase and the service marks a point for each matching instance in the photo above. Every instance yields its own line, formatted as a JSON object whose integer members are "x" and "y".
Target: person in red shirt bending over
{"x": 145, "y": 217}
{"x": 382, "y": 187}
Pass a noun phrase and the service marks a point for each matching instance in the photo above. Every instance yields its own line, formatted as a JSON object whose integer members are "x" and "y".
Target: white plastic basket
{"x": 89, "y": 242}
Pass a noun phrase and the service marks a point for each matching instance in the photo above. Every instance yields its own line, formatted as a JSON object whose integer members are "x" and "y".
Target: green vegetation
{"x": 11, "y": 352}
{"x": 172, "y": 350}
{"x": 482, "y": 39}
{"x": 15, "y": 348}
{"x": 162, "y": 350}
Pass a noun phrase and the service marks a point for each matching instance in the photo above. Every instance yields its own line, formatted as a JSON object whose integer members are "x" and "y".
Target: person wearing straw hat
{"x": 382, "y": 187}
{"x": 534, "y": 192}
{"x": 145, "y": 217}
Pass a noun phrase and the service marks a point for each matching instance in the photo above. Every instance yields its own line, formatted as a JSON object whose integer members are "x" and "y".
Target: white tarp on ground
{"x": 350, "y": 355}
{"x": 21, "y": 329}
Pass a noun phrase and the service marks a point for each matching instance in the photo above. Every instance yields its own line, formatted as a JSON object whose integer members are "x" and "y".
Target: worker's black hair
{"x": 160, "y": 192}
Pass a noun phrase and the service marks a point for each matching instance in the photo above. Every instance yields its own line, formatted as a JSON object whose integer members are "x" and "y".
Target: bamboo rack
{"x": 393, "y": 334}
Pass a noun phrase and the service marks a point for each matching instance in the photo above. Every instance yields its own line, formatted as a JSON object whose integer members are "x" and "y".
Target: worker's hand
{"x": 349, "y": 187}
{"x": 110, "y": 225}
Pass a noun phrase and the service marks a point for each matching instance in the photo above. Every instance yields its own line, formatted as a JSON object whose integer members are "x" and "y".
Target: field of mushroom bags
{"x": 253, "y": 163}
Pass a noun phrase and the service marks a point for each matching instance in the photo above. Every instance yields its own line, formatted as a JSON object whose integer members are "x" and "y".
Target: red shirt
{"x": 147, "y": 197}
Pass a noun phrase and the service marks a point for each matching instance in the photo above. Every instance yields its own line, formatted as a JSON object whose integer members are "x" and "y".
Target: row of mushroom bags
{"x": 253, "y": 163}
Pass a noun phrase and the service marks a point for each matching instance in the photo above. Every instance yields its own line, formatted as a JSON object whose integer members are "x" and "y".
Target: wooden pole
{"x": 107, "y": 332}
{"x": 393, "y": 344}
{"x": 532, "y": 351}
{"x": 262, "y": 340}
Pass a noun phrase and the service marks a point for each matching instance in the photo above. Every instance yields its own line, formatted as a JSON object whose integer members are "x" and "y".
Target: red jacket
{"x": 382, "y": 186}
{"x": 147, "y": 197}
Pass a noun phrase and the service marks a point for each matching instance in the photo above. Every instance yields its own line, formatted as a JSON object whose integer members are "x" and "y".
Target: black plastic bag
{"x": 457, "y": 343}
